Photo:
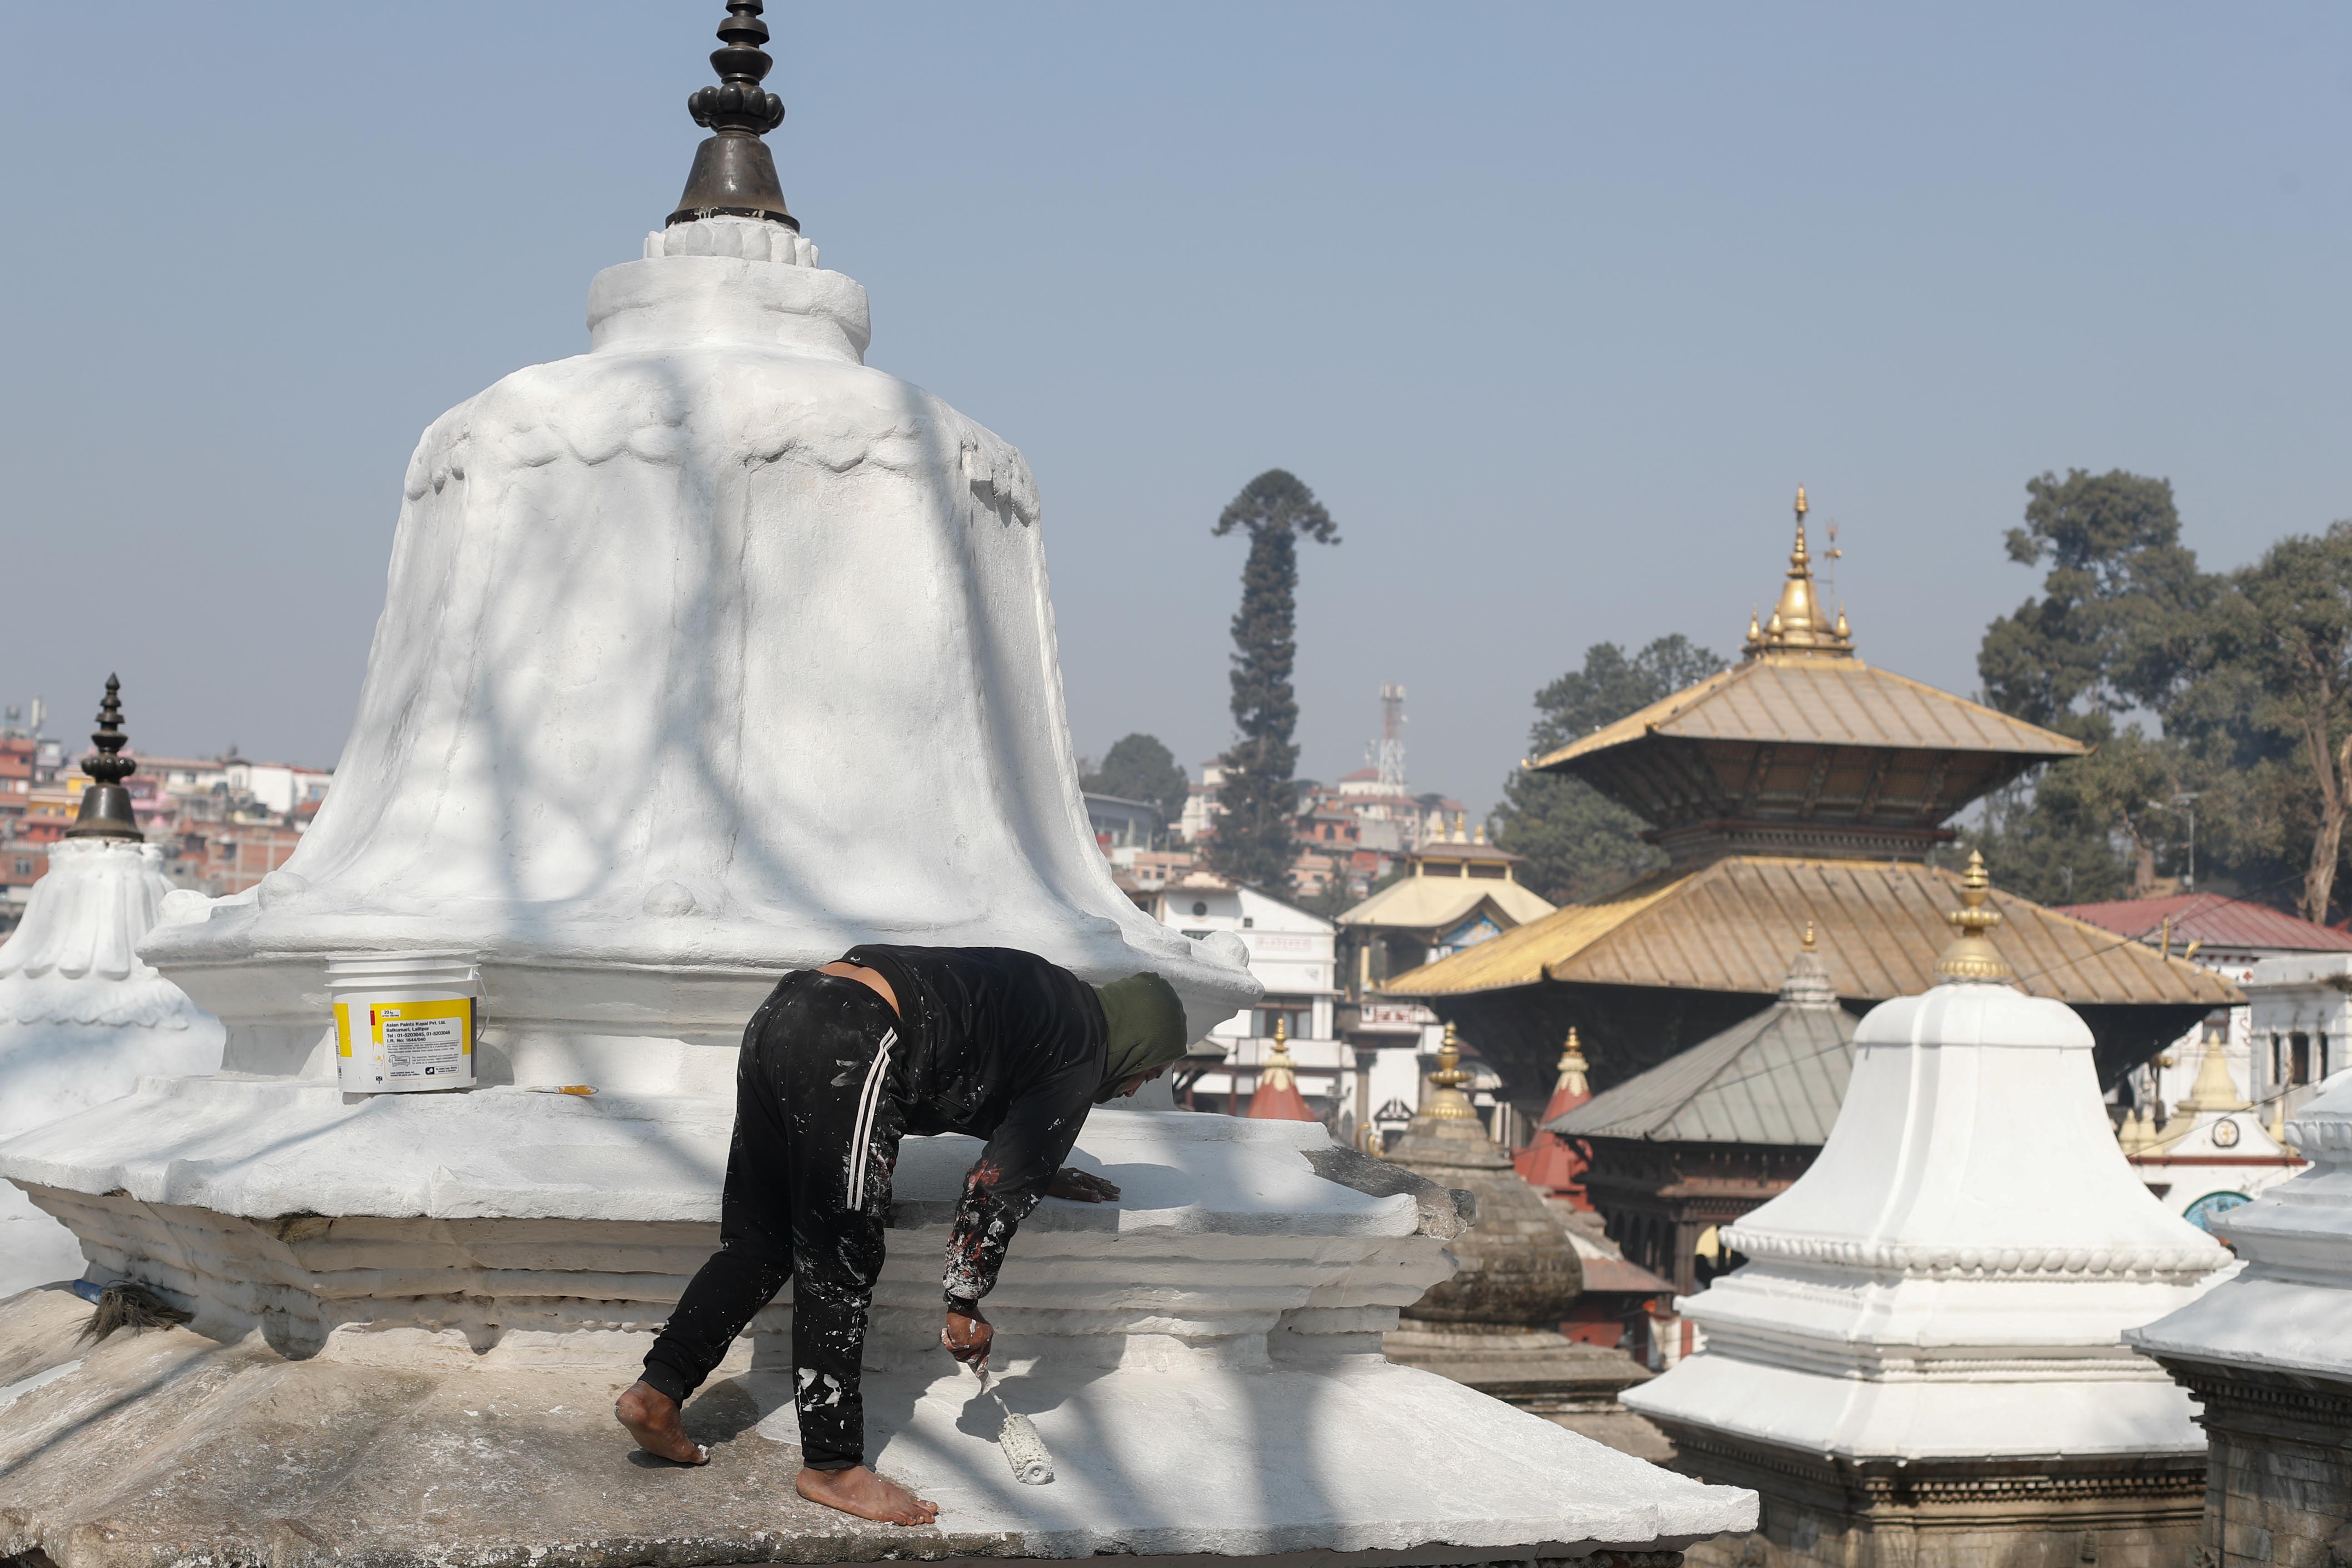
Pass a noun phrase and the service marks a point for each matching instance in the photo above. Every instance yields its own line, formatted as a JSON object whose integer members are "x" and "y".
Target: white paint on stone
{"x": 1953, "y": 1277}
{"x": 25, "y": 1386}
{"x": 82, "y": 1019}
{"x": 705, "y": 655}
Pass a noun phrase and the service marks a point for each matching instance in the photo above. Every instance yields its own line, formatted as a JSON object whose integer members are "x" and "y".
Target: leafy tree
{"x": 2285, "y": 633}
{"x": 1138, "y": 767}
{"x": 2115, "y": 625}
{"x": 1258, "y": 804}
{"x": 2116, "y": 628}
{"x": 2088, "y": 829}
{"x": 1580, "y": 843}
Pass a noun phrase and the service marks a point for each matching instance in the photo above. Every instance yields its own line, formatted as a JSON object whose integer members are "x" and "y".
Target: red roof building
{"x": 2223, "y": 929}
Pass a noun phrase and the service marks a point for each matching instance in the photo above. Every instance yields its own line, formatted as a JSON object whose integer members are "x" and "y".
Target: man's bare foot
{"x": 651, "y": 1417}
{"x": 860, "y": 1491}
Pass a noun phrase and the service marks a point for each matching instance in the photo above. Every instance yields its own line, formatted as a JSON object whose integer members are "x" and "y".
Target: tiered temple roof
{"x": 1801, "y": 785}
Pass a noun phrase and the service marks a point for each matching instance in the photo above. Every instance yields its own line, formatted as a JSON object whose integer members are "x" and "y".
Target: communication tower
{"x": 1390, "y": 759}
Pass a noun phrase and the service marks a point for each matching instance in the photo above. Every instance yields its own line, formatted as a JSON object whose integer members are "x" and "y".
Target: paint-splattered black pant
{"x": 808, "y": 1188}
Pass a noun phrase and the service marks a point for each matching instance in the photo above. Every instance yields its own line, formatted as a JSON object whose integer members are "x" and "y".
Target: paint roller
{"x": 1032, "y": 1464}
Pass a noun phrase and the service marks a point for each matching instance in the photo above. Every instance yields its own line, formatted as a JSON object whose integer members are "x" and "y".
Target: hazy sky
{"x": 1553, "y": 305}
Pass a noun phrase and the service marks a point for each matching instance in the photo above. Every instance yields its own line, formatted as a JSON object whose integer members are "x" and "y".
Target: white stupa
{"x": 706, "y": 655}
{"x": 1927, "y": 1339}
{"x": 82, "y": 1017}
{"x": 2266, "y": 1353}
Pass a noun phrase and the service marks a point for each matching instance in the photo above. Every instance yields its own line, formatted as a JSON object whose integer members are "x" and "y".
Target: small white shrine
{"x": 2213, "y": 1151}
{"x": 1921, "y": 1361}
{"x": 82, "y": 1016}
{"x": 706, "y": 655}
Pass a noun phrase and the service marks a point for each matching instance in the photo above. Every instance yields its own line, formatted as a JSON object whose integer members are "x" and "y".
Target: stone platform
{"x": 412, "y": 1359}
{"x": 170, "y": 1447}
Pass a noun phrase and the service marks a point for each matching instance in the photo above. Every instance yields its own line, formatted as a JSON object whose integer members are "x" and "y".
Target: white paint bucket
{"x": 404, "y": 1021}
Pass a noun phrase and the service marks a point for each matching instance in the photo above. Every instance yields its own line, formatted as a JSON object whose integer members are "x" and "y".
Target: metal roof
{"x": 1727, "y": 926}
{"x": 1424, "y": 903}
{"x": 1842, "y": 701}
{"x": 2215, "y": 920}
{"x": 1777, "y": 1078}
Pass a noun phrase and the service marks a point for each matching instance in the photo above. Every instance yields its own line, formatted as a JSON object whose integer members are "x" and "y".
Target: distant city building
{"x": 1123, "y": 824}
{"x": 223, "y": 823}
{"x": 1199, "y": 823}
{"x": 1290, "y": 953}
{"x": 1350, "y": 835}
{"x": 1458, "y": 891}
{"x": 1147, "y": 871}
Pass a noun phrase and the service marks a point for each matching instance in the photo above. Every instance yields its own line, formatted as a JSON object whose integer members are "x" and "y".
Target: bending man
{"x": 836, "y": 1066}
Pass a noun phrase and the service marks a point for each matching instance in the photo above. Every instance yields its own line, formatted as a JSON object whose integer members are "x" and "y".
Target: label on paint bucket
{"x": 405, "y": 1022}
{"x": 423, "y": 1039}
{"x": 420, "y": 1044}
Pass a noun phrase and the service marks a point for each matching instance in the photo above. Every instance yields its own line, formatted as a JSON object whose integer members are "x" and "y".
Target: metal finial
{"x": 734, "y": 174}
{"x": 1972, "y": 956}
{"x": 1807, "y": 943}
{"x": 1798, "y": 625}
{"x": 106, "y": 810}
{"x": 1571, "y": 1055}
{"x": 1448, "y": 1103}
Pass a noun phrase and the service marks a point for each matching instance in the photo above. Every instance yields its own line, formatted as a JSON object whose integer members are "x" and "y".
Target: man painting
{"x": 836, "y": 1064}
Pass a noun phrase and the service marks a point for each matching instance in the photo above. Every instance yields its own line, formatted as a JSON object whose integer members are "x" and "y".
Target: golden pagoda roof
{"x": 1817, "y": 701}
{"x": 1880, "y": 927}
{"x": 1804, "y": 749}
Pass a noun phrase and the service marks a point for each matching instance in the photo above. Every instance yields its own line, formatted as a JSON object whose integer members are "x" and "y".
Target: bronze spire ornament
{"x": 1447, "y": 1103}
{"x": 1972, "y": 956}
{"x": 106, "y": 810}
{"x": 734, "y": 174}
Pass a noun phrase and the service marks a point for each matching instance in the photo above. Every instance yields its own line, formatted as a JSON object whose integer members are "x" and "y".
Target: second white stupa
{"x": 1926, "y": 1338}
{"x": 82, "y": 1016}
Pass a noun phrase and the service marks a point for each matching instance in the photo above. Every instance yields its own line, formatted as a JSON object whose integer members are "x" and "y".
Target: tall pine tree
{"x": 1254, "y": 828}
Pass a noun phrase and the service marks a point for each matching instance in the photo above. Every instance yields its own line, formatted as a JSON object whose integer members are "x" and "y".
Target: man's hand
{"x": 1081, "y": 1186}
{"x": 967, "y": 1335}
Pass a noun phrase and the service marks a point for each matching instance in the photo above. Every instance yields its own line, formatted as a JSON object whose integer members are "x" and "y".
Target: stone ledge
{"x": 167, "y": 1448}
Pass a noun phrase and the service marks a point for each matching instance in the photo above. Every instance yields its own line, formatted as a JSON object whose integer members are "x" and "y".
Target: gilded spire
{"x": 1798, "y": 625}
{"x": 1572, "y": 1067}
{"x": 1447, "y": 1103}
{"x": 1972, "y": 957}
{"x": 1277, "y": 1072}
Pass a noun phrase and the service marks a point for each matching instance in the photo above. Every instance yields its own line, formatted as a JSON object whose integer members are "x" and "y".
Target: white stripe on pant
{"x": 860, "y": 1140}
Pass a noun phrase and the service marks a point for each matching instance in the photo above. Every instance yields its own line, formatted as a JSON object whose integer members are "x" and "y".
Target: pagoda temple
{"x": 1801, "y": 784}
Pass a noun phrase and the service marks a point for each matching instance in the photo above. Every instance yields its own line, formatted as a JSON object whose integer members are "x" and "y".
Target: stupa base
{"x": 1540, "y": 1372}
{"x": 168, "y": 1447}
{"x": 1949, "y": 1513}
